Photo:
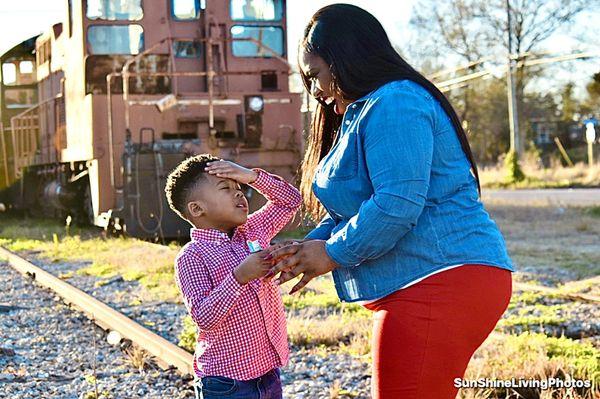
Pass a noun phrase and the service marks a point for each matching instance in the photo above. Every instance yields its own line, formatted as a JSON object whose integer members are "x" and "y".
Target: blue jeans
{"x": 267, "y": 386}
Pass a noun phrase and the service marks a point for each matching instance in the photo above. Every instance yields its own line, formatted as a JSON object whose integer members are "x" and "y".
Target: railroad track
{"x": 165, "y": 353}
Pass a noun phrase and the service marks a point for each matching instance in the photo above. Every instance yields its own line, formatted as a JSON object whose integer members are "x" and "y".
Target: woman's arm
{"x": 323, "y": 229}
{"x": 398, "y": 146}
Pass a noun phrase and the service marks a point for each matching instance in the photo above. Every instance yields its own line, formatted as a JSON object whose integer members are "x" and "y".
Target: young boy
{"x": 242, "y": 336}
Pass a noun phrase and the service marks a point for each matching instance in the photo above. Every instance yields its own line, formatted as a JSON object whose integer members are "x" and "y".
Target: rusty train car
{"x": 100, "y": 108}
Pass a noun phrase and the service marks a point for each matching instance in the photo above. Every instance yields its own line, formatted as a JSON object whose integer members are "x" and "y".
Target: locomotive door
{"x": 189, "y": 55}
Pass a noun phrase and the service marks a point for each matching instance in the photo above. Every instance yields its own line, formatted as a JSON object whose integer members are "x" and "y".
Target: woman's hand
{"x": 231, "y": 170}
{"x": 308, "y": 258}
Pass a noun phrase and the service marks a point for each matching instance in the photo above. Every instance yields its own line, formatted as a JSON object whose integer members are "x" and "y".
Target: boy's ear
{"x": 195, "y": 208}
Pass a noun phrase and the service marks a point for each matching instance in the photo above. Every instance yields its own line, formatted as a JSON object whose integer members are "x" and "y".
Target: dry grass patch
{"x": 133, "y": 259}
{"x": 343, "y": 331}
{"x": 533, "y": 356}
{"x": 557, "y": 176}
{"x": 542, "y": 236}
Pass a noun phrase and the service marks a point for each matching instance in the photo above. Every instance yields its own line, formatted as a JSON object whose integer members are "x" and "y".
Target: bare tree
{"x": 593, "y": 91}
{"x": 473, "y": 29}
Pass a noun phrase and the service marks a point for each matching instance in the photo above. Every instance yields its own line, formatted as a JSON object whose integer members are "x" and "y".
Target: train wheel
{"x": 114, "y": 229}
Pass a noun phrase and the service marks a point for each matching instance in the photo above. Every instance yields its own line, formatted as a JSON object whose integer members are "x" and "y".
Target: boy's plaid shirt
{"x": 241, "y": 329}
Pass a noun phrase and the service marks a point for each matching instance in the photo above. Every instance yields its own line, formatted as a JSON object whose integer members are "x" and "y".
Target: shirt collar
{"x": 208, "y": 235}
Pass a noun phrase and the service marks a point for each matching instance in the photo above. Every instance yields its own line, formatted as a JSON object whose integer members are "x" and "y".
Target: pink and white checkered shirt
{"x": 241, "y": 328}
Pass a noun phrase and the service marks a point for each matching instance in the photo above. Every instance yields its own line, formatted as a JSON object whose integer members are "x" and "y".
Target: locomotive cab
{"x": 131, "y": 90}
{"x": 18, "y": 92}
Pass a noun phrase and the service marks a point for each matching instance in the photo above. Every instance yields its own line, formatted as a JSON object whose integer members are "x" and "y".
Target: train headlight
{"x": 254, "y": 107}
{"x": 255, "y": 103}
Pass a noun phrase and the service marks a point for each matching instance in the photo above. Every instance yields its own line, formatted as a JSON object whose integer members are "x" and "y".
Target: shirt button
{"x": 353, "y": 106}
{"x": 347, "y": 122}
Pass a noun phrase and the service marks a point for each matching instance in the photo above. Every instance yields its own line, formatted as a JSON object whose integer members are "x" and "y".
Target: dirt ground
{"x": 551, "y": 245}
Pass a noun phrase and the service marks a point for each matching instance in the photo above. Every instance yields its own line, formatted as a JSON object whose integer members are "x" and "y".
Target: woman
{"x": 404, "y": 232}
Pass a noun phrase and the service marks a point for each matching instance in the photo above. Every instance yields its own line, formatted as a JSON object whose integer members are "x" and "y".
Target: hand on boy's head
{"x": 231, "y": 170}
{"x": 256, "y": 265}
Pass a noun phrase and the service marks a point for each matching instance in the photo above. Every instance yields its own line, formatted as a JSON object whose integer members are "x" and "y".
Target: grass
{"x": 316, "y": 319}
{"x": 316, "y": 324}
{"x": 133, "y": 259}
{"x": 593, "y": 211}
{"x": 589, "y": 286}
{"x": 535, "y": 315}
{"x": 549, "y": 239}
{"x": 579, "y": 175}
{"x": 347, "y": 333}
{"x": 538, "y": 237}
{"x": 533, "y": 356}
{"x": 582, "y": 265}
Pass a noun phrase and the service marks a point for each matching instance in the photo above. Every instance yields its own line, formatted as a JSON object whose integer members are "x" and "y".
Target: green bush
{"x": 189, "y": 334}
{"x": 593, "y": 211}
{"x": 514, "y": 173}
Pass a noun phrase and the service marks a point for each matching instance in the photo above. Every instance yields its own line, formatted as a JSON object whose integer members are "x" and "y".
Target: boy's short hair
{"x": 183, "y": 178}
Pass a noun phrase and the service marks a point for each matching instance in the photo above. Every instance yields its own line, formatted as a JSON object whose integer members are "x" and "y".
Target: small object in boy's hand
{"x": 253, "y": 246}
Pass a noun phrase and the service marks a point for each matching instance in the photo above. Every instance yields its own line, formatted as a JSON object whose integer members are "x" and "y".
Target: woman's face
{"x": 319, "y": 76}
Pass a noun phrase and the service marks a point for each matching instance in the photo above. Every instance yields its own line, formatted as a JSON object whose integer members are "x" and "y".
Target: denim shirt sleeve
{"x": 323, "y": 229}
{"x": 397, "y": 140}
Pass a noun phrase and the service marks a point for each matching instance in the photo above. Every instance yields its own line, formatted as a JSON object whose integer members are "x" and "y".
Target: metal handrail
{"x": 25, "y": 145}
{"x": 4, "y": 155}
{"x": 210, "y": 73}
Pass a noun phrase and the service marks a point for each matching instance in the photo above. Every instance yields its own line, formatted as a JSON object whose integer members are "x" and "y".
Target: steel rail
{"x": 166, "y": 354}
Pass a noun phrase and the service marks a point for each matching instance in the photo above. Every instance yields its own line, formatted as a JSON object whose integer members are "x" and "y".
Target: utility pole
{"x": 590, "y": 137}
{"x": 513, "y": 112}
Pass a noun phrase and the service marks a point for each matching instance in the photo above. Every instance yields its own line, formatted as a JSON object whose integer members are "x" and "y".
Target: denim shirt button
{"x": 353, "y": 106}
{"x": 347, "y": 122}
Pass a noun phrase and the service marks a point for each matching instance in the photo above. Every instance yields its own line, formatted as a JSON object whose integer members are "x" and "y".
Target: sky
{"x": 25, "y": 18}
{"x": 22, "y": 19}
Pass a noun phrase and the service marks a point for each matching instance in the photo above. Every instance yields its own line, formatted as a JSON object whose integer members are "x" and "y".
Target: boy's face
{"x": 218, "y": 203}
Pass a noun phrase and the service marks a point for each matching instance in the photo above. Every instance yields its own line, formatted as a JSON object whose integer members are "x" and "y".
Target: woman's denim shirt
{"x": 400, "y": 196}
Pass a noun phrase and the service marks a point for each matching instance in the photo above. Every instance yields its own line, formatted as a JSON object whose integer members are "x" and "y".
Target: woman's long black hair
{"x": 361, "y": 58}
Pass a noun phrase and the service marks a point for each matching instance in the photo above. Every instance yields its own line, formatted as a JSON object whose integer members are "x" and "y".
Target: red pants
{"x": 425, "y": 335}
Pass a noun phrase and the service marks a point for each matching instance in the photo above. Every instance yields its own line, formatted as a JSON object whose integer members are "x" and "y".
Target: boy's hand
{"x": 256, "y": 265}
{"x": 274, "y": 247}
{"x": 231, "y": 170}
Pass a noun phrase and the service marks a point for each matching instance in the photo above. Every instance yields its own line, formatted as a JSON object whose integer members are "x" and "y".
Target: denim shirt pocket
{"x": 342, "y": 162}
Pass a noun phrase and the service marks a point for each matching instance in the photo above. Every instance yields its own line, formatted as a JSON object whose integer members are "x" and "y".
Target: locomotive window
{"x": 9, "y": 73}
{"x": 186, "y": 9}
{"x": 269, "y": 36}
{"x": 124, "y": 10}
{"x": 26, "y": 67}
{"x": 17, "y": 72}
{"x": 20, "y": 98}
{"x": 186, "y": 49}
{"x": 256, "y": 10}
{"x": 116, "y": 39}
